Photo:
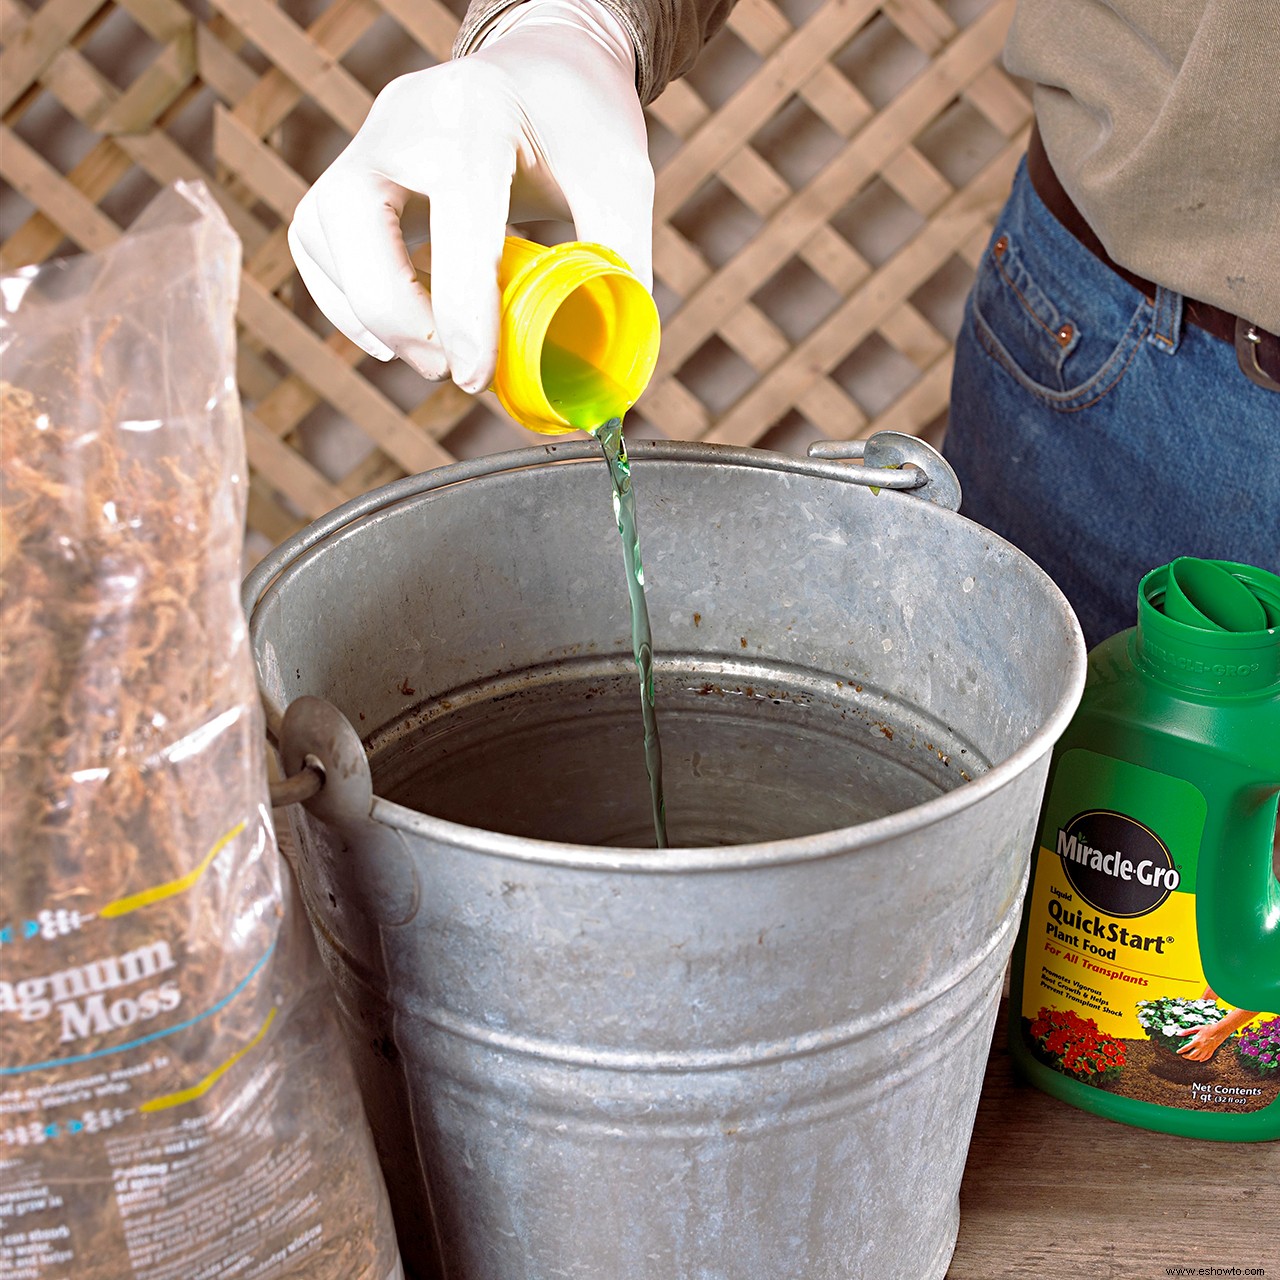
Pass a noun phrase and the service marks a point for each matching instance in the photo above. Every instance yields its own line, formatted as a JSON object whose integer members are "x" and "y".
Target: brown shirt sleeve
{"x": 668, "y": 34}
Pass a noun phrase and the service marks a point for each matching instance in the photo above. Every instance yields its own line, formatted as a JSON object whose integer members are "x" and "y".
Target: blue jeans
{"x": 1095, "y": 430}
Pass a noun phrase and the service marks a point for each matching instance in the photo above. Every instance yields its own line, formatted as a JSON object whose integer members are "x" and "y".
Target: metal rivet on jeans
{"x": 1065, "y": 334}
{"x": 1001, "y": 245}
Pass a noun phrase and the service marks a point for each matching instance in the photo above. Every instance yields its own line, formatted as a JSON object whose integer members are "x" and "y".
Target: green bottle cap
{"x": 1210, "y": 626}
{"x": 1203, "y": 594}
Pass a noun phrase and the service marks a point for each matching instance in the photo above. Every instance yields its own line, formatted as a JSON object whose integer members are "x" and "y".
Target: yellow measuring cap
{"x": 578, "y": 335}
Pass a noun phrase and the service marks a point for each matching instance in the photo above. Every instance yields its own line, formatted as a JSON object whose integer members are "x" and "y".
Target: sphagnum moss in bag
{"x": 175, "y": 1103}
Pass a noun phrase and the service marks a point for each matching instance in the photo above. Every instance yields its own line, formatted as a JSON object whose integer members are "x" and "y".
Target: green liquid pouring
{"x": 577, "y": 389}
{"x": 624, "y": 511}
{"x": 595, "y": 404}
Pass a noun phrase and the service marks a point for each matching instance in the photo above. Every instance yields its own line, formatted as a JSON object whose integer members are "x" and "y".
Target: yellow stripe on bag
{"x": 203, "y": 1086}
{"x": 145, "y": 897}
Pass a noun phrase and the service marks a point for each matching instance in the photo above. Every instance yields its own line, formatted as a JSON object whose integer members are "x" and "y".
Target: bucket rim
{"x": 677, "y": 859}
{"x": 259, "y": 579}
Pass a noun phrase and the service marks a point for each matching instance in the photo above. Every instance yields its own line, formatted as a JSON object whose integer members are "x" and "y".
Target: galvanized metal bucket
{"x": 754, "y": 1056}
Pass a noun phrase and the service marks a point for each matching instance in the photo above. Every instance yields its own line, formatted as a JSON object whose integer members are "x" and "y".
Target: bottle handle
{"x": 1238, "y": 904}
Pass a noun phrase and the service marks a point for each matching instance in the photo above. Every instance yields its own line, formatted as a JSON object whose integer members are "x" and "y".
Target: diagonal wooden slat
{"x": 77, "y": 216}
{"x": 257, "y": 165}
{"x": 162, "y": 20}
{"x": 221, "y": 68}
{"x": 296, "y": 478}
{"x": 159, "y": 156}
{"x": 924, "y": 23}
{"x": 281, "y": 331}
{"x": 325, "y": 81}
{"x": 429, "y": 23}
{"x": 923, "y": 401}
{"x": 41, "y": 235}
{"x": 155, "y": 90}
{"x": 46, "y": 33}
{"x": 13, "y": 21}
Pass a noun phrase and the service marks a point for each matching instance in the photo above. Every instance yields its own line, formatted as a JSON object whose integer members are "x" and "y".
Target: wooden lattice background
{"x": 827, "y": 176}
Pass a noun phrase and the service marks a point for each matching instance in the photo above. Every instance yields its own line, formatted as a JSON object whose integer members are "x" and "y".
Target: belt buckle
{"x": 1249, "y": 339}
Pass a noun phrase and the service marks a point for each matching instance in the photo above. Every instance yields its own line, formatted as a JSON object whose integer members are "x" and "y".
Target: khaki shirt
{"x": 1162, "y": 122}
{"x": 1161, "y": 119}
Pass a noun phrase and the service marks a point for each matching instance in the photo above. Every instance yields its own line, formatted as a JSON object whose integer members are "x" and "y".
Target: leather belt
{"x": 1257, "y": 351}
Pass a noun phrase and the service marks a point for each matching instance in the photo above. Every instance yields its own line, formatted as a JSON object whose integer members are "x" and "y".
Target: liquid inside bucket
{"x": 752, "y": 752}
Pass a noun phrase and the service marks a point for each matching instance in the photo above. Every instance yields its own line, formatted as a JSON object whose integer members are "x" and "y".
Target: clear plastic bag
{"x": 175, "y": 1098}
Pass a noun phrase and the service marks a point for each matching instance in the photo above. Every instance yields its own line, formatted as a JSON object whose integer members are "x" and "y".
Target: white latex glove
{"x": 542, "y": 121}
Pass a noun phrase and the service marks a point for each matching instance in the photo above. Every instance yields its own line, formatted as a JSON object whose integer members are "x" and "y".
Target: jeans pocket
{"x": 1065, "y": 337}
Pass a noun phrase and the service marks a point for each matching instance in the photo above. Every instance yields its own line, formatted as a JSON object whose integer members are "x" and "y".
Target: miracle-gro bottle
{"x": 1146, "y": 976}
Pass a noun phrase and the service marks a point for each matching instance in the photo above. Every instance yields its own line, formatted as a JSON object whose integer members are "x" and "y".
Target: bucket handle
{"x": 299, "y": 787}
{"x": 891, "y": 460}
{"x": 888, "y": 453}
{"x": 327, "y": 771}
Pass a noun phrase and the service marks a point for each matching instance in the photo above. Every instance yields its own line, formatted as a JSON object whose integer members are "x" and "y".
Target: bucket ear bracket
{"x": 921, "y": 470}
{"x": 316, "y": 736}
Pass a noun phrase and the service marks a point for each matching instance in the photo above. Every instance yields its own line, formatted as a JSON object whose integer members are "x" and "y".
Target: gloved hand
{"x": 542, "y": 121}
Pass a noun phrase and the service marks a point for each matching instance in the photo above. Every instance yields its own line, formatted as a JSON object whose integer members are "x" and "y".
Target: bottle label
{"x": 1114, "y": 994}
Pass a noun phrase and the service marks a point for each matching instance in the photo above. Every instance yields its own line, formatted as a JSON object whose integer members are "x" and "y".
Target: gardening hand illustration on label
{"x": 1149, "y": 953}
{"x": 1204, "y": 1040}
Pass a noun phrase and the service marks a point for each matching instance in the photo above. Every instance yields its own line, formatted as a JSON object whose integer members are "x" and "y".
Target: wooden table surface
{"x": 1053, "y": 1193}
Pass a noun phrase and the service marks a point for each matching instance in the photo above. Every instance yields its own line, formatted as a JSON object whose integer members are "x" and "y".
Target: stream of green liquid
{"x": 624, "y": 511}
{"x": 571, "y": 381}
